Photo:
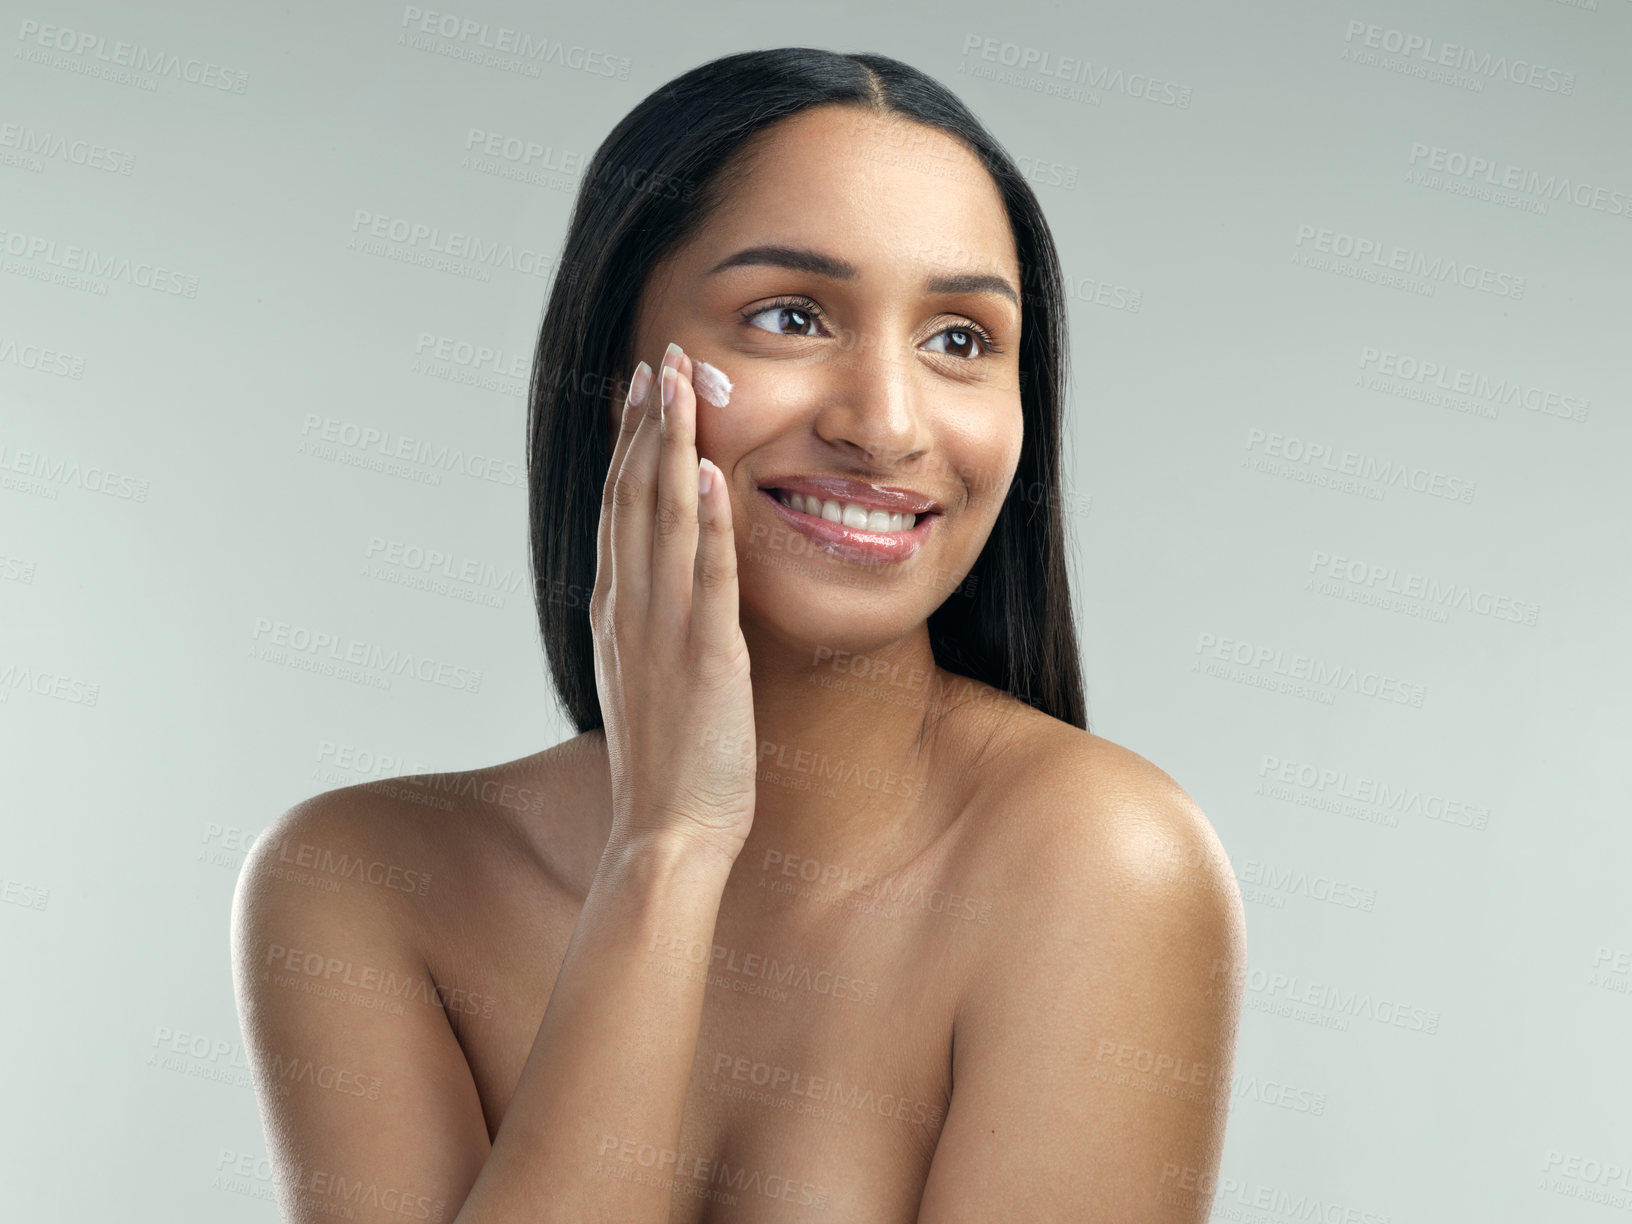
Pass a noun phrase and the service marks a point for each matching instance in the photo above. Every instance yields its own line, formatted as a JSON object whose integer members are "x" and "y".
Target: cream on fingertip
{"x": 711, "y": 383}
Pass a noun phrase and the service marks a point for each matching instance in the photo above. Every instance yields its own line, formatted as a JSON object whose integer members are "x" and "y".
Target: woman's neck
{"x": 851, "y": 745}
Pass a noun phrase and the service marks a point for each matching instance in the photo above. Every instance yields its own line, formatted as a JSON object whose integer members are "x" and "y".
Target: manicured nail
{"x": 705, "y": 476}
{"x": 671, "y": 355}
{"x": 640, "y": 384}
{"x": 669, "y": 377}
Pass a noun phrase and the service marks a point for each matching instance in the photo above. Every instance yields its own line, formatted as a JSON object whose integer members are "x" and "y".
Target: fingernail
{"x": 705, "y": 476}
{"x": 671, "y": 355}
{"x": 640, "y": 384}
{"x": 669, "y": 375}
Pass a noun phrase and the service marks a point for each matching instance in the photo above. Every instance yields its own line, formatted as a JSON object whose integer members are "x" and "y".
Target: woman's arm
{"x": 605, "y": 1084}
{"x": 599, "y": 1103}
{"x": 598, "y": 1106}
{"x": 367, "y": 1098}
{"x": 1093, "y": 1051}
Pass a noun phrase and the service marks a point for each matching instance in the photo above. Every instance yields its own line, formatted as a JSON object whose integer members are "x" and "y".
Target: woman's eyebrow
{"x": 816, "y": 263}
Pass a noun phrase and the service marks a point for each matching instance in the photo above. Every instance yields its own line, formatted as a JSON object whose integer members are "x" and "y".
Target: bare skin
{"x": 954, "y": 938}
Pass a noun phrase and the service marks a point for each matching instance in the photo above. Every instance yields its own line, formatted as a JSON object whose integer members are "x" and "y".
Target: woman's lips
{"x": 856, "y": 543}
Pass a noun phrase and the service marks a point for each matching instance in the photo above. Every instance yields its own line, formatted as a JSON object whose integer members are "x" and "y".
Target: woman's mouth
{"x": 851, "y": 531}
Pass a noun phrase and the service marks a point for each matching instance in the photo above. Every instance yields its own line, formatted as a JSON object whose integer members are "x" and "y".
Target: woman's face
{"x": 849, "y": 362}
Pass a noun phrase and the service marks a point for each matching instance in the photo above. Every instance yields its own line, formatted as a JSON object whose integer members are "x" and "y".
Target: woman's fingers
{"x": 667, "y": 547}
{"x": 674, "y": 528}
{"x": 634, "y": 404}
{"x": 671, "y": 663}
{"x": 632, "y": 501}
{"x": 715, "y": 630}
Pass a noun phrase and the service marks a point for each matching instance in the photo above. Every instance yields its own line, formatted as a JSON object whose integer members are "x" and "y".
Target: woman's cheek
{"x": 753, "y": 413}
{"x": 721, "y": 431}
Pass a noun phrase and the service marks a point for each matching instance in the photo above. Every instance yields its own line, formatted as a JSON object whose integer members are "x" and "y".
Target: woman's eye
{"x": 792, "y": 319}
{"x": 791, "y": 316}
{"x": 962, "y": 337}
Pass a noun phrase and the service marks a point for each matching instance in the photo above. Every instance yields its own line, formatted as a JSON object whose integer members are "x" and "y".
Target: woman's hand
{"x": 671, "y": 664}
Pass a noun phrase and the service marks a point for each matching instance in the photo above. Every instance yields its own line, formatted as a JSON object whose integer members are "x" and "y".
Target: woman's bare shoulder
{"x": 1090, "y": 853}
{"x": 530, "y": 813}
{"x": 1077, "y": 808}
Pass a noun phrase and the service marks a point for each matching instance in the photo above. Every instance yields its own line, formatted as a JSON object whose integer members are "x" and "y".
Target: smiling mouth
{"x": 862, "y": 543}
{"x": 853, "y": 515}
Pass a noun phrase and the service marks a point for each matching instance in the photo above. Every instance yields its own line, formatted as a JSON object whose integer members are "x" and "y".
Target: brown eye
{"x": 785, "y": 316}
{"x": 964, "y": 338}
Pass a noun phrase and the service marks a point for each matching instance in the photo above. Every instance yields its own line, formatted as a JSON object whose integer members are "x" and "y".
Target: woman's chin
{"x": 818, "y": 619}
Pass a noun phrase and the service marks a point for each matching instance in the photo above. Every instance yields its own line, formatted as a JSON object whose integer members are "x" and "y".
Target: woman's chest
{"x": 822, "y": 1071}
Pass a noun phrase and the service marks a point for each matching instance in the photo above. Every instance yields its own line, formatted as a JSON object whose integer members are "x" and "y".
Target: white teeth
{"x": 848, "y": 513}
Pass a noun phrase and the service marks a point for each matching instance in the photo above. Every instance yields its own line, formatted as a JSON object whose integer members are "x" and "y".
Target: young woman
{"x": 834, "y": 908}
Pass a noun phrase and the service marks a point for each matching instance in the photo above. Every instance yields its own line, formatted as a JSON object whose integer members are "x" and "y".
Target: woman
{"x": 834, "y": 908}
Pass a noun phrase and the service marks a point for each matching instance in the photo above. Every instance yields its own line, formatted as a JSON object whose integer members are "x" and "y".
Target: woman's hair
{"x": 652, "y": 184}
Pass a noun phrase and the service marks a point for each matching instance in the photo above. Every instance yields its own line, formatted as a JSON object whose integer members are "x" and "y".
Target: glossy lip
{"x": 855, "y": 543}
{"x": 863, "y": 493}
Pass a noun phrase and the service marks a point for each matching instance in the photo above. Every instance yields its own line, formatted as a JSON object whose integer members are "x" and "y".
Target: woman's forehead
{"x": 866, "y": 193}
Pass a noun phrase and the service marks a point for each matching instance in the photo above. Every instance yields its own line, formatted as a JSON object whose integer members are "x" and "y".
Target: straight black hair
{"x": 654, "y": 182}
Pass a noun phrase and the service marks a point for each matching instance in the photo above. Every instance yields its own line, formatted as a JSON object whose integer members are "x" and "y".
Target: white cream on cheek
{"x": 711, "y": 383}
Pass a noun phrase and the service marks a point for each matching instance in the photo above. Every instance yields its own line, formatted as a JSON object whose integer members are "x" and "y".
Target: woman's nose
{"x": 872, "y": 401}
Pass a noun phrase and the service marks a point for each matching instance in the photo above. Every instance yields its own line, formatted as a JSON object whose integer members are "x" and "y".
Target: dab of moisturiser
{"x": 711, "y": 384}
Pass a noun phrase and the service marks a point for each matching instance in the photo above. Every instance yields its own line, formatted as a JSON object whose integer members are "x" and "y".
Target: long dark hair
{"x": 652, "y": 184}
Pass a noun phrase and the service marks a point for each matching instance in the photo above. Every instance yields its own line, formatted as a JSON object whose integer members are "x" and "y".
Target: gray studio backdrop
{"x": 1347, "y": 451}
